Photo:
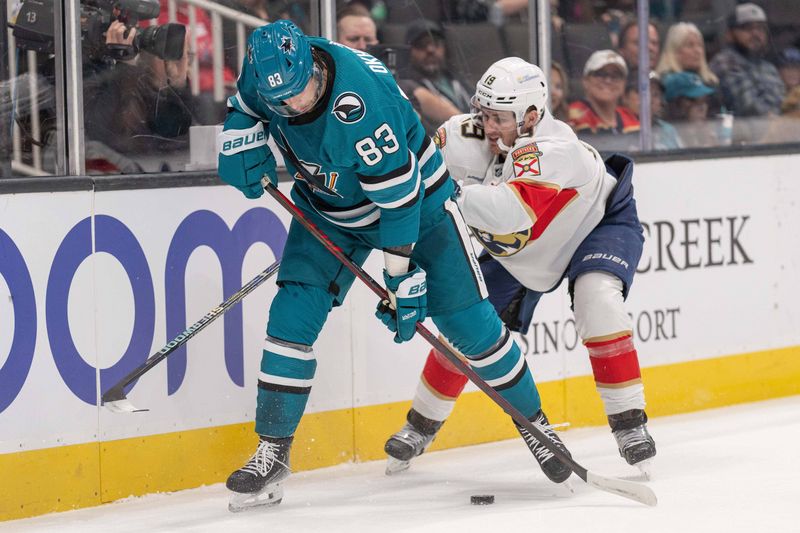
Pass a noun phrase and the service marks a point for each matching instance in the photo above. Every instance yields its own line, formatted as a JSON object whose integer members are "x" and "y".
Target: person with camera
{"x": 131, "y": 106}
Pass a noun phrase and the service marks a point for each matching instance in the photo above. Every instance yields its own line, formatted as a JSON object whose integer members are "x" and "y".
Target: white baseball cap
{"x": 746, "y": 13}
{"x": 601, "y": 58}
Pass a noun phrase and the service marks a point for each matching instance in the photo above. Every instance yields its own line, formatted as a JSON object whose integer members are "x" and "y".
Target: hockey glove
{"x": 245, "y": 158}
{"x": 408, "y": 303}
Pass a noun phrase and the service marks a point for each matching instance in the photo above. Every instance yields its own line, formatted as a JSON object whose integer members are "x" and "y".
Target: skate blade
{"x": 269, "y": 497}
{"x": 565, "y": 489}
{"x": 645, "y": 469}
{"x": 395, "y": 466}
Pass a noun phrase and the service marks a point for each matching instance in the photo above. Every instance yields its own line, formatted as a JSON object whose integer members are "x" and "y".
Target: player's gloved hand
{"x": 408, "y": 303}
{"x": 245, "y": 158}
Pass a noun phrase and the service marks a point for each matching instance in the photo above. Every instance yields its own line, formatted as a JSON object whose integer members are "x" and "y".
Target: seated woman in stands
{"x": 599, "y": 118}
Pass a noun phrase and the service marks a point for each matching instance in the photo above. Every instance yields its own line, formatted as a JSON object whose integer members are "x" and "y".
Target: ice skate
{"x": 258, "y": 483}
{"x": 554, "y": 469}
{"x": 635, "y": 444}
{"x": 412, "y": 440}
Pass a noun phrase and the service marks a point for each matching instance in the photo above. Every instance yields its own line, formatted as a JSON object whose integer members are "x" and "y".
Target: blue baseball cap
{"x": 789, "y": 56}
{"x": 686, "y": 84}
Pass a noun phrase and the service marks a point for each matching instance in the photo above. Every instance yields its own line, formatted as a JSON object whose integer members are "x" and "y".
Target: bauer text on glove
{"x": 245, "y": 158}
{"x": 409, "y": 303}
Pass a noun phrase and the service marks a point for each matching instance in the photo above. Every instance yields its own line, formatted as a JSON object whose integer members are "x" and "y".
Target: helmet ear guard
{"x": 283, "y": 64}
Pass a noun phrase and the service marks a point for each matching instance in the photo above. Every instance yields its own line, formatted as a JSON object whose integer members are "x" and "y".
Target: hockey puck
{"x": 482, "y": 499}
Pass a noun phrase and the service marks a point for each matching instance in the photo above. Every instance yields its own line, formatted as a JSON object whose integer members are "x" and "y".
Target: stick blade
{"x": 123, "y": 405}
{"x": 628, "y": 489}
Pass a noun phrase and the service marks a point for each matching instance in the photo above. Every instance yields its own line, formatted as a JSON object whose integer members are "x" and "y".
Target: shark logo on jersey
{"x": 349, "y": 108}
{"x": 322, "y": 182}
{"x": 309, "y": 173}
{"x": 503, "y": 245}
{"x": 250, "y": 53}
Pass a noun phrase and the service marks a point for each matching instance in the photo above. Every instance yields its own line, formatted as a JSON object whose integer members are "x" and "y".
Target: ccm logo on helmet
{"x": 349, "y": 108}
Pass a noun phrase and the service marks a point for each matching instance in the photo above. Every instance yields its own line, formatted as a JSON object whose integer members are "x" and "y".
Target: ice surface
{"x": 733, "y": 469}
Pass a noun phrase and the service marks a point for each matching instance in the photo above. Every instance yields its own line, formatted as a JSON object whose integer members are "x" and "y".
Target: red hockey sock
{"x": 615, "y": 362}
{"x": 442, "y": 377}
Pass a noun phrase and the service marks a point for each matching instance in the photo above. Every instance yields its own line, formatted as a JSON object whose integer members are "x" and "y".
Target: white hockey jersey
{"x": 533, "y": 208}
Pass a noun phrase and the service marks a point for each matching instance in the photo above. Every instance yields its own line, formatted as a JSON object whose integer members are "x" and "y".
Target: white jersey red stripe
{"x": 544, "y": 198}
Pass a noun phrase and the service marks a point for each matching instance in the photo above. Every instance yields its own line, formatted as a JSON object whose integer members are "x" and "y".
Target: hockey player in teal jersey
{"x": 368, "y": 176}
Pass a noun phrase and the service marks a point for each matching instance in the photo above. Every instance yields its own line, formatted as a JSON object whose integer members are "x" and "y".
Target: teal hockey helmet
{"x": 281, "y": 56}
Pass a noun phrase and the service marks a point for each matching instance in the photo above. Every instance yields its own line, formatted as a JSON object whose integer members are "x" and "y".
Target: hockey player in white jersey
{"x": 545, "y": 206}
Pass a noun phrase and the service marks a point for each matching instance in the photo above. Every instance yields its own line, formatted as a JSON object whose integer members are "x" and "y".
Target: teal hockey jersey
{"x": 361, "y": 156}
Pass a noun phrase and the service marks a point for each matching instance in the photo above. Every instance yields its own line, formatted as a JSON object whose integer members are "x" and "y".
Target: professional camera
{"x": 34, "y": 29}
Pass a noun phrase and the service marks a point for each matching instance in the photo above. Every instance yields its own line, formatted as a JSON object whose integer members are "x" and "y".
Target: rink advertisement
{"x": 92, "y": 283}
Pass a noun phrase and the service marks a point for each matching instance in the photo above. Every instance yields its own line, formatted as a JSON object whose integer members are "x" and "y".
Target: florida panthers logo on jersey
{"x": 440, "y": 138}
{"x": 503, "y": 245}
{"x": 308, "y": 172}
{"x": 349, "y": 108}
{"x": 526, "y": 161}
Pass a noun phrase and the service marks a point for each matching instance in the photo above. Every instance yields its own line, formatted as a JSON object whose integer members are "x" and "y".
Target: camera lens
{"x": 165, "y": 41}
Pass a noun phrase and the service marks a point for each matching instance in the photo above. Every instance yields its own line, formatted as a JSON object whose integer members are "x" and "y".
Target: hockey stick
{"x": 114, "y": 398}
{"x": 628, "y": 489}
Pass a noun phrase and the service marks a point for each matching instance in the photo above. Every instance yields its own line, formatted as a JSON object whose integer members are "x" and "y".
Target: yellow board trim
{"x": 85, "y": 475}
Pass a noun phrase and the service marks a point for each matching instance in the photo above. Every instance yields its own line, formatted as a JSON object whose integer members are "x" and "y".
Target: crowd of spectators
{"x": 705, "y": 91}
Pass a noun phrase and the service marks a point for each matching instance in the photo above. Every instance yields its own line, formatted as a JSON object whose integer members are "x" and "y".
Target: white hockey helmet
{"x": 512, "y": 84}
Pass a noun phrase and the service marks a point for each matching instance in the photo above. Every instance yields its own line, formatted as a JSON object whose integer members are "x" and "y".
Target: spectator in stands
{"x": 786, "y": 128}
{"x": 428, "y": 67}
{"x": 355, "y": 27}
{"x": 684, "y": 49}
{"x": 559, "y": 92}
{"x": 604, "y": 76}
{"x": 789, "y": 68}
{"x": 665, "y": 136}
{"x": 749, "y": 84}
{"x": 629, "y": 44}
{"x": 687, "y": 108}
{"x": 791, "y": 106}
